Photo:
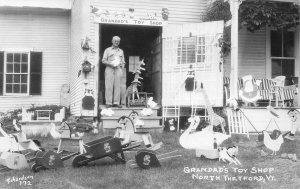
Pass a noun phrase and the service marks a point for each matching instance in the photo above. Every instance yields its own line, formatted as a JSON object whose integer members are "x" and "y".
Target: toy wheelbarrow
{"x": 101, "y": 148}
{"x": 146, "y": 159}
{"x": 49, "y": 160}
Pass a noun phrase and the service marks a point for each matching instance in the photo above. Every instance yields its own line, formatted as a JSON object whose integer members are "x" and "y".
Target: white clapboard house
{"x": 40, "y": 51}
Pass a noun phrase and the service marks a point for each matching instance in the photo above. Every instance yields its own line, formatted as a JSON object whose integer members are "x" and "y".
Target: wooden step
{"x": 126, "y": 111}
{"x": 112, "y": 122}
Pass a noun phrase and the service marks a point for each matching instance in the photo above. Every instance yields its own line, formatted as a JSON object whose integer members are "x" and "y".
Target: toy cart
{"x": 49, "y": 160}
{"x": 101, "y": 148}
{"x": 13, "y": 160}
{"x": 146, "y": 158}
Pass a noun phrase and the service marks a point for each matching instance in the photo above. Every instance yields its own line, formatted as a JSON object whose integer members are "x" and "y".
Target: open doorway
{"x": 139, "y": 42}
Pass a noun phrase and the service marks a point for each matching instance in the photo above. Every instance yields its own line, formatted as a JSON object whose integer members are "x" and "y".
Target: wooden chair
{"x": 236, "y": 122}
{"x": 270, "y": 90}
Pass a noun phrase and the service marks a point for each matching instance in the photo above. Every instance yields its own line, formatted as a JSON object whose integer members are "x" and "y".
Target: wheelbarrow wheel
{"x": 77, "y": 161}
{"x": 36, "y": 168}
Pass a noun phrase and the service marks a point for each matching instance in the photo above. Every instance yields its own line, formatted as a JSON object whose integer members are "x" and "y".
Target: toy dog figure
{"x": 229, "y": 155}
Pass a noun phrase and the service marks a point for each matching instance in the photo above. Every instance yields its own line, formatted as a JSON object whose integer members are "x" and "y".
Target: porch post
{"x": 297, "y": 66}
{"x": 234, "y": 9}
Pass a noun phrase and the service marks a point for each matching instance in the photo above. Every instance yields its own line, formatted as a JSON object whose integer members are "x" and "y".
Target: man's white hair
{"x": 116, "y": 38}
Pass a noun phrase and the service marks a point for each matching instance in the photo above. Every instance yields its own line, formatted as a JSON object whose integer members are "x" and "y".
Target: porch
{"x": 272, "y": 92}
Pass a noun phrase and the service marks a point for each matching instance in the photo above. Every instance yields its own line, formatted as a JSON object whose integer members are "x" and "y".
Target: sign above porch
{"x": 128, "y": 18}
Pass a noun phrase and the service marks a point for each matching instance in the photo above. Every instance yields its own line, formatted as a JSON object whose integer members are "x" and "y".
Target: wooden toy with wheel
{"x": 101, "y": 148}
{"x": 49, "y": 160}
{"x": 128, "y": 133}
{"x": 146, "y": 158}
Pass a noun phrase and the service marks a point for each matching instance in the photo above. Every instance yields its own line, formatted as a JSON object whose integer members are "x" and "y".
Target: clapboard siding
{"x": 79, "y": 29}
{"x": 252, "y": 54}
{"x": 76, "y": 56}
{"x": 180, "y": 11}
{"x": 46, "y": 32}
{"x": 188, "y": 11}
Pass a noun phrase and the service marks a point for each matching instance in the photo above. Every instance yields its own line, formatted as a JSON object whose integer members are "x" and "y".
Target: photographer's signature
{"x": 21, "y": 180}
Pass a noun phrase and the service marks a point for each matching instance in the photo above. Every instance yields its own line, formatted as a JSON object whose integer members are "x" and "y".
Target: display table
{"x": 43, "y": 114}
{"x": 142, "y": 101}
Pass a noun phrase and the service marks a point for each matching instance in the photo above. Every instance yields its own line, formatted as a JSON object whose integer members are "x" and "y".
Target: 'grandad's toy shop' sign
{"x": 129, "y": 18}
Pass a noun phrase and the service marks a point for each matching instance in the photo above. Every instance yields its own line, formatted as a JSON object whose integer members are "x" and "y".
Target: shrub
{"x": 16, "y": 114}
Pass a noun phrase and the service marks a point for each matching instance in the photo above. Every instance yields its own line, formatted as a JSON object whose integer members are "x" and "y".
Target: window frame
{"x": 269, "y": 57}
{"x": 197, "y": 47}
{"x": 5, "y": 73}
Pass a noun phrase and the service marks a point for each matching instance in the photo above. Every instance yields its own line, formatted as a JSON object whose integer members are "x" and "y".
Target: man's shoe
{"x": 117, "y": 105}
{"x": 107, "y": 105}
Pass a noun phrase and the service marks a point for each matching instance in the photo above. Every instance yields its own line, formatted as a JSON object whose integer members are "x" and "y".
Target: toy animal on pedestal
{"x": 275, "y": 140}
{"x": 201, "y": 141}
{"x": 273, "y": 144}
{"x": 214, "y": 119}
{"x": 132, "y": 90}
{"x": 65, "y": 131}
{"x": 127, "y": 132}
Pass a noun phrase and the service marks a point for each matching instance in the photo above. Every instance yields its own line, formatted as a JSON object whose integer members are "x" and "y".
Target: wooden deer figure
{"x": 132, "y": 90}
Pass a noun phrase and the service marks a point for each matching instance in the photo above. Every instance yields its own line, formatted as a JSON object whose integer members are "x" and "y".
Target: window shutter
{"x": 1, "y": 71}
{"x": 36, "y": 73}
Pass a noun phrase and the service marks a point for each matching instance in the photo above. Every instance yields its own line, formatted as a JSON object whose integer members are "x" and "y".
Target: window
{"x": 191, "y": 50}
{"x": 20, "y": 73}
{"x": 282, "y": 53}
{"x": 16, "y": 73}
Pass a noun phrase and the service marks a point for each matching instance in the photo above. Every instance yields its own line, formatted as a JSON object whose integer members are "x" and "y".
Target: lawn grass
{"x": 105, "y": 173}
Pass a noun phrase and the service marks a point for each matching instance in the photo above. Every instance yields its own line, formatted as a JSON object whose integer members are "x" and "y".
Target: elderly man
{"x": 113, "y": 58}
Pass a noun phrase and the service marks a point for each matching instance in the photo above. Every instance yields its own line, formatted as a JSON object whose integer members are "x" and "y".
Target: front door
{"x": 137, "y": 42}
{"x": 156, "y": 74}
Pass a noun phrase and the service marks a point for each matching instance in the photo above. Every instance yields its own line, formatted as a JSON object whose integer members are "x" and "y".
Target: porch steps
{"x": 118, "y": 112}
{"x": 151, "y": 123}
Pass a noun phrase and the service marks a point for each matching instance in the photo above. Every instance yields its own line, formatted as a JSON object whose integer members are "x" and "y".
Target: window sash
{"x": 191, "y": 50}
{"x": 14, "y": 74}
{"x": 283, "y": 42}
{"x": 284, "y": 58}
{"x": 278, "y": 68}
